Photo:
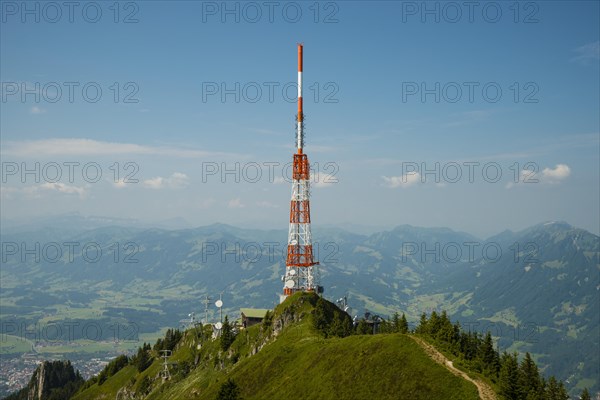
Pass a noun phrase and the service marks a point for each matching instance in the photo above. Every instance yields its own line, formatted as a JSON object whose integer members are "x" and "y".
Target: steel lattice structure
{"x": 299, "y": 274}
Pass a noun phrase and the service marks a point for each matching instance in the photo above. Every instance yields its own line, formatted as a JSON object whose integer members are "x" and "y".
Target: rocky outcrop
{"x": 57, "y": 378}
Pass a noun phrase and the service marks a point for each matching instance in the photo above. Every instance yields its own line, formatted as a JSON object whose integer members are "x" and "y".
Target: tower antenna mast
{"x": 299, "y": 274}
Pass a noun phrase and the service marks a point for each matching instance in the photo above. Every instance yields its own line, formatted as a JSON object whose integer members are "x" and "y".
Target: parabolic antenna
{"x": 218, "y": 325}
{"x": 290, "y": 284}
{"x": 292, "y": 272}
{"x": 219, "y": 303}
{"x": 294, "y": 242}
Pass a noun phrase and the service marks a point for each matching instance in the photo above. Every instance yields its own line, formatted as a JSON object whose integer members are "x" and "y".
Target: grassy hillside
{"x": 287, "y": 358}
{"x": 356, "y": 367}
{"x": 540, "y": 296}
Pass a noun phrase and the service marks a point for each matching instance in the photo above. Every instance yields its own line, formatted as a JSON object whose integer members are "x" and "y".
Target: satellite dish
{"x": 292, "y": 272}
{"x": 294, "y": 242}
{"x": 218, "y": 325}
{"x": 290, "y": 284}
{"x": 219, "y": 303}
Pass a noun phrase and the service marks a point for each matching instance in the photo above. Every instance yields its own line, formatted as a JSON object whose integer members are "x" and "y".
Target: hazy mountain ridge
{"x": 548, "y": 308}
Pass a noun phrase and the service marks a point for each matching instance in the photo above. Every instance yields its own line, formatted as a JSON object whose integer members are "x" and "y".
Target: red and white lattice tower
{"x": 299, "y": 274}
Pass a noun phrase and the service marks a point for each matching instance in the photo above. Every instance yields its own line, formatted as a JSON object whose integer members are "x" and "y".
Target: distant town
{"x": 16, "y": 370}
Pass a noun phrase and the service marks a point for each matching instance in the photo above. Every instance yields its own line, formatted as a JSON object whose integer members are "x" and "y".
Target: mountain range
{"x": 536, "y": 290}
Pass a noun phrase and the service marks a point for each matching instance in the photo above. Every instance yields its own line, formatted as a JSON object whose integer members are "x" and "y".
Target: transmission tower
{"x": 299, "y": 275}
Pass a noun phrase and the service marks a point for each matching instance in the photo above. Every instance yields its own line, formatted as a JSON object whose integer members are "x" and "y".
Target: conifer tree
{"x": 423, "y": 325}
{"x": 555, "y": 390}
{"x": 320, "y": 317}
{"x": 396, "y": 323}
{"x": 529, "y": 378}
{"x": 226, "y": 335}
{"x": 487, "y": 354}
{"x": 434, "y": 323}
{"x": 337, "y": 325}
{"x": 403, "y": 328}
{"x": 347, "y": 326}
{"x": 509, "y": 376}
{"x": 585, "y": 395}
{"x": 363, "y": 328}
{"x": 143, "y": 359}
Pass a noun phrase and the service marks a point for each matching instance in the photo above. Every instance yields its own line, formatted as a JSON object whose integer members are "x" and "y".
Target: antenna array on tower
{"x": 299, "y": 274}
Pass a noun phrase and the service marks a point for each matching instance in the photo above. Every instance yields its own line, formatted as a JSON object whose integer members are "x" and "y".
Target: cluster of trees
{"x": 143, "y": 358}
{"x": 331, "y": 321}
{"x": 112, "y": 368}
{"x": 146, "y": 354}
{"x": 398, "y": 324}
{"x": 516, "y": 381}
{"x": 172, "y": 337}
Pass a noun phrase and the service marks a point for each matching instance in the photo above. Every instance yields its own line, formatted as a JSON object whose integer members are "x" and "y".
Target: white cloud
{"x": 37, "y": 191}
{"x": 154, "y": 183}
{"x": 177, "y": 180}
{"x": 120, "y": 184}
{"x": 557, "y": 174}
{"x": 405, "y": 180}
{"x": 548, "y": 175}
{"x": 235, "y": 203}
{"x": 587, "y": 53}
{"x": 63, "y": 188}
{"x": 6, "y": 192}
{"x": 90, "y": 147}
{"x": 266, "y": 204}
{"x": 321, "y": 180}
{"x": 36, "y": 110}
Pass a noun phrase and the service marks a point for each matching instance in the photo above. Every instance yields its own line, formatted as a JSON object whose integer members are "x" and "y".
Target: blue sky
{"x": 367, "y": 124}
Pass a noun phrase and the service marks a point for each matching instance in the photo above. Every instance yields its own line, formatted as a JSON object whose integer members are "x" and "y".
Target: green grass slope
{"x": 288, "y": 359}
{"x": 356, "y": 367}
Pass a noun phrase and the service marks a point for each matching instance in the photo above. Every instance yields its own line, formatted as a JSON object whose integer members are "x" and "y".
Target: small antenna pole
{"x": 207, "y": 300}
{"x": 219, "y": 304}
{"x": 165, "y": 373}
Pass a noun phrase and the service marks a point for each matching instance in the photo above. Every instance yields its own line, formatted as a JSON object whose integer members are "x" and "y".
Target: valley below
{"x": 84, "y": 292}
